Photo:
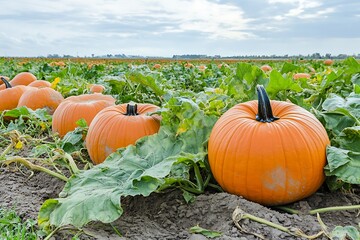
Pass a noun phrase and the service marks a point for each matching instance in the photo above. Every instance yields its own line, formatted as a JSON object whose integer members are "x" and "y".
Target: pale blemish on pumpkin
{"x": 275, "y": 179}
{"x": 108, "y": 150}
{"x": 278, "y": 178}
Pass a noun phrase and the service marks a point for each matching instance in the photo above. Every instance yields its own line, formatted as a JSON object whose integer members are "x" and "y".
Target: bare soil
{"x": 168, "y": 216}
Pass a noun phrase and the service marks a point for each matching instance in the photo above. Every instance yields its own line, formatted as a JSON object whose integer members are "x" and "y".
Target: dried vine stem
{"x": 239, "y": 215}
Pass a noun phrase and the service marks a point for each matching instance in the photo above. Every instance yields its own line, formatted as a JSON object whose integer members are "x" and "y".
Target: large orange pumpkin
{"x": 266, "y": 159}
{"x": 10, "y": 96}
{"x": 119, "y": 126}
{"x": 23, "y": 78}
{"x": 74, "y": 108}
{"x": 41, "y": 98}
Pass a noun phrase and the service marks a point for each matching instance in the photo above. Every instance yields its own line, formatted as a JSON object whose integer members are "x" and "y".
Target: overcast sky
{"x": 168, "y": 27}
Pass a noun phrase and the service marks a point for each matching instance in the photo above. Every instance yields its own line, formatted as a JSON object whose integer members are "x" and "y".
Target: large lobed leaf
{"x": 344, "y": 159}
{"x": 95, "y": 194}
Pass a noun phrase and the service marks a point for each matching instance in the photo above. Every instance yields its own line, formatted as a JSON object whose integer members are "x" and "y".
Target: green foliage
{"x": 207, "y": 233}
{"x": 191, "y": 101}
{"x": 153, "y": 163}
{"x": 347, "y": 232}
{"x": 14, "y": 228}
{"x": 341, "y": 117}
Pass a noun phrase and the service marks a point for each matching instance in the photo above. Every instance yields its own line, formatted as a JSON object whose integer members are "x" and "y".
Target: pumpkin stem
{"x": 264, "y": 107}
{"x": 131, "y": 110}
{"x": 7, "y": 84}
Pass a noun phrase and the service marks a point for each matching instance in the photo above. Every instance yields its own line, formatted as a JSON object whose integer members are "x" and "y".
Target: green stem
{"x": 51, "y": 234}
{"x": 319, "y": 210}
{"x": 190, "y": 189}
{"x": 335, "y": 208}
{"x": 264, "y": 107}
{"x": 35, "y": 167}
{"x": 287, "y": 209}
{"x": 215, "y": 186}
{"x": 6, "y": 150}
{"x": 116, "y": 230}
{"x": 7, "y": 84}
{"x": 72, "y": 164}
{"x": 189, "y": 186}
{"x": 199, "y": 179}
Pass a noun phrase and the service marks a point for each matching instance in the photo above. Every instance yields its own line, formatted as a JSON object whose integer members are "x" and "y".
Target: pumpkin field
{"x": 179, "y": 149}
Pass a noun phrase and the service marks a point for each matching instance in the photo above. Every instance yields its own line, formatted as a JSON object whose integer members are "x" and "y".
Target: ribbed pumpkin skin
{"x": 111, "y": 129}
{"x": 268, "y": 163}
{"x": 23, "y": 78}
{"x": 10, "y": 97}
{"x": 73, "y": 108}
{"x": 41, "y": 98}
{"x": 40, "y": 84}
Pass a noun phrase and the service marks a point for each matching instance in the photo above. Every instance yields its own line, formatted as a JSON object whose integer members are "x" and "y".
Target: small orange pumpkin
{"x": 157, "y": 66}
{"x": 119, "y": 126}
{"x": 97, "y": 88}
{"x": 10, "y": 96}
{"x": 266, "y": 159}
{"x": 23, "y": 78}
{"x": 74, "y": 108}
{"x": 301, "y": 75}
{"x": 189, "y": 65}
{"x": 202, "y": 68}
{"x": 40, "y": 84}
{"x": 223, "y": 65}
{"x": 266, "y": 68}
{"x": 41, "y": 98}
{"x": 328, "y": 62}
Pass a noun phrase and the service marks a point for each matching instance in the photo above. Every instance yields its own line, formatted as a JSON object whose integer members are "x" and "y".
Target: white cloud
{"x": 304, "y": 9}
{"x": 318, "y": 14}
{"x": 162, "y": 27}
{"x": 216, "y": 20}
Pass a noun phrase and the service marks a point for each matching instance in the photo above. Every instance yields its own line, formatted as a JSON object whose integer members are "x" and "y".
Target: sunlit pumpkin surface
{"x": 45, "y": 97}
{"x": 74, "y": 108}
{"x": 269, "y": 163}
{"x": 112, "y": 129}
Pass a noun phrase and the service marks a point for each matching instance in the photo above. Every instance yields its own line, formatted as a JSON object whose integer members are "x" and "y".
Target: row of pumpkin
{"x": 270, "y": 152}
{"x": 117, "y": 126}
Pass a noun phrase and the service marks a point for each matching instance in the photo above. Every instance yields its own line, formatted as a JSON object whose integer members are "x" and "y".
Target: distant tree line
{"x": 203, "y": 56}
{"x": 286, "y": 56}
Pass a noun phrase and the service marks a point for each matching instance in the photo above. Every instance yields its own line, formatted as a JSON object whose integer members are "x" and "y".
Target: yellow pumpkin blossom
{"x": 55, "y": 82}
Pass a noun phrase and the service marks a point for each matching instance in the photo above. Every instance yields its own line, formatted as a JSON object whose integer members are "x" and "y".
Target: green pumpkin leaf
{"x": 205, "y": 232}
{"x": 344, "y": 161}
{"x": 279, "y": 83}
{"x": 17, "y": 112}
{"x": 349, "y": 139}
{"x": 153, "y": 163}
{"x": 146, "y": 80}
{"x": 289, "y": 67}
{"x": 347, "y": 232}
{"x": 353, "y": 65}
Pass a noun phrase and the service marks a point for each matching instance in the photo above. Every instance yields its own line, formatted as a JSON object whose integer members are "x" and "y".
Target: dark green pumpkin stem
{"x": 131, "y": 110}
{"x": 7, "y": 84}
{"x": 264, "y": 107}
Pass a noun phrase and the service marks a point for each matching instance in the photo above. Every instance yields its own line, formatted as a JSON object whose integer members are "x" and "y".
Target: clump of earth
{"x": 167, "y": 215}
